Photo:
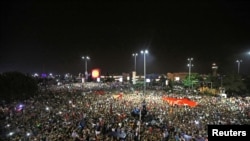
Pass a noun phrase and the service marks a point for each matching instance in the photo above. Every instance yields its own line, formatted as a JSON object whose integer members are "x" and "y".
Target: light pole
{"x": 144, "y": 52}
{"x": 222, "y": 90}
{"x": 135, "y": 55}
{"x": 86, "y": 58}
{"x": 189, "y": 69}
{"x": 238, "y": 62}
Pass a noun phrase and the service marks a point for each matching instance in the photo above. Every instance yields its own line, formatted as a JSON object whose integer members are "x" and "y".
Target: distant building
{"x": 177, "y": 76}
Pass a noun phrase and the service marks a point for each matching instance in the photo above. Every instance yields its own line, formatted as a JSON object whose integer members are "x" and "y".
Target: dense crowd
{"x": 102, "y": 112}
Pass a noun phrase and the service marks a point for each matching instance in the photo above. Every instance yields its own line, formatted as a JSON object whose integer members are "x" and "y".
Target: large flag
{"x": 179, "y": 101}
{"x": 100, "y": 92}
{"x": 117, "y": 96}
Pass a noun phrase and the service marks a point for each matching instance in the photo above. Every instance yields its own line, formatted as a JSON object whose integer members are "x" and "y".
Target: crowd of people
{"x": 104, "y": 112}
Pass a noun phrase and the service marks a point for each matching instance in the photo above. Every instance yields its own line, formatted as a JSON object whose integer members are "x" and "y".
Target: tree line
{"x": 17, "y": 86}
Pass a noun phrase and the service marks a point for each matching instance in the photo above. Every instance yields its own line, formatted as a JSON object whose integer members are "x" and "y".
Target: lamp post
{"x": 144, "y": 52}
{"x": 189, "y": 69}
{"x": 222, "y": 90}
{"x": 86, "y": 58}
{"x": 135, "y": 55}
{"x": 238, "y": 62}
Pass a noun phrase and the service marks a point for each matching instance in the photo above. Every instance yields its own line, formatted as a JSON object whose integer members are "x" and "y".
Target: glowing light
{"x": 128, "y": 78}
{"x": 44, "y": 75}
{"x": 120, "y": 79}
{"x": 28, "y": 134}
{"x": 166, "y": 82}
{"x": 95, "y": 73}
{"x": 11, "y": 133}
{"x": 177, "y": 78}
{"x": 98, "y": 79}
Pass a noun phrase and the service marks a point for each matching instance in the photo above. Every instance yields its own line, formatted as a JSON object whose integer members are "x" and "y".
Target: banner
{"x": 117, "y": 96}
{"x": 179, "y": 101}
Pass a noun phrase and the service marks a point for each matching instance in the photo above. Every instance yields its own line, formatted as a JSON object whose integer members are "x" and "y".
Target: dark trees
{"x": 17, "y": 86}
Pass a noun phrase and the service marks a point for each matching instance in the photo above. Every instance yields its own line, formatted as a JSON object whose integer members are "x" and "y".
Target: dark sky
{"x": 52, "y": 37}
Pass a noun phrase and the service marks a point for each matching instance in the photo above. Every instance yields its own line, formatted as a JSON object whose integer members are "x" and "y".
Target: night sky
{"x": 52, "y": 37}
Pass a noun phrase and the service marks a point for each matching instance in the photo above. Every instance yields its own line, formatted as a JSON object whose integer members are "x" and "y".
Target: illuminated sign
{"x": 95, "y": 73}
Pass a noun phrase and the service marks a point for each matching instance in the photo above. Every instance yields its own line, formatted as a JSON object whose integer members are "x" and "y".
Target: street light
{"x": 238, "y": 62}
{"x": 189, "y": 69}
{"x": 86, "y": 58}
{"x": 144, "y": 52}
{"x": 135, "y": 55}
